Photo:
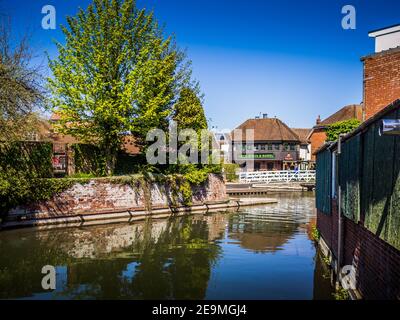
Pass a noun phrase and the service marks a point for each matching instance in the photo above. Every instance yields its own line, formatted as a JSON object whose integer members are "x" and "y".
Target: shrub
{"x": 341, "y": 127}
{"x": 315, "y": 235}
{"x": 341, "y": 294}
{"x": 230, "y": 171}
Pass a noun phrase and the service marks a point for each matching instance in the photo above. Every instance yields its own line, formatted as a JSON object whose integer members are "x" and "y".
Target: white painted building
{"x": 386, "y": 38}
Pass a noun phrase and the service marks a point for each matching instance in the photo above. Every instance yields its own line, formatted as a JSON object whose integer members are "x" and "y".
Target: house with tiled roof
{"x": 317, "y": 136}
{"x": 263, "y": 144}
{"x": 305, "y": 146}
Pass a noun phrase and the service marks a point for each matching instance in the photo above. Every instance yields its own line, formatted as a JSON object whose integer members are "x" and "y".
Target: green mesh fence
{"x": 380, "y": 195}
{"x": 369, "y": 176}
{"x": 349, "y": 177}
{"x": 323, "y": 181}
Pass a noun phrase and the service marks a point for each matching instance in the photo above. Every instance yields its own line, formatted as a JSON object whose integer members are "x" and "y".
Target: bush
{"x": 19, "y": 189}
{"x": 315, "y": 235}
{"x": 230, "y": 171}
{"x": 23, "y": 167}
{"x": 341, "y": 294}
{"x": 89, "y": 159}
{"x": 32, "y": 158}
{"x": 341, "y": 127}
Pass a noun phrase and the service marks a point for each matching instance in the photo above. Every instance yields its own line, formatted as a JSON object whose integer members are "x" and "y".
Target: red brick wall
{"x": 101, "y": 195}
{"x": 381, "y": 81}
{"x": 377, "y": 263}
{"x": 317, "y": 138}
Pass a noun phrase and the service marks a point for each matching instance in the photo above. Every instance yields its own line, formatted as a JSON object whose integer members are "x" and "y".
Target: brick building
{"x": 358, "y": 183}
{"x": 62, "y": 157}
{"x": 382, "y": 71}
{"x": 317, "y": 135}
{"x": 272, "y": 146}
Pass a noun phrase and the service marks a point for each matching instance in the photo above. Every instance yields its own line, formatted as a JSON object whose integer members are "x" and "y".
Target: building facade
{"x": 305, "y": 161}
{"x": 265, "y": 144}
{"x": 317, "y": 136}
{"x": 381, "y": 71}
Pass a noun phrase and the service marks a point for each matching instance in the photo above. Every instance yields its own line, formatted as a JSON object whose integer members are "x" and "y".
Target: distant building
{"x": 276, "y": 146}
{"x": 317, "y": 135}
{"x": 61, "y": 160}
{"x": 222, "y": 143}
{"x": 305, "y": 147}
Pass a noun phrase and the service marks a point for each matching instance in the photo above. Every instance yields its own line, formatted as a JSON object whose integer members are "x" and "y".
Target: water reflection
{"x": 261, "y": 253}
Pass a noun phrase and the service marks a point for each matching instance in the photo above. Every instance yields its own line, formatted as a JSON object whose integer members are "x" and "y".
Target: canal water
{"x": 255, "y": 253}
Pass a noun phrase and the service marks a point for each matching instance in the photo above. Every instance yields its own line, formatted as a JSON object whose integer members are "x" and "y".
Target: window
{"x": 263, "y": 147}
{"x": 292, "y": 147}
{"x": 276, "y": 146}
{"x": 270, "y": 147}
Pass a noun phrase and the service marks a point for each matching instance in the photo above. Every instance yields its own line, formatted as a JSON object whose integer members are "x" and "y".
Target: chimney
{"x": 265, "y": 115}
{"x": 318, "y": 121}
{"x": 386, "y": 38}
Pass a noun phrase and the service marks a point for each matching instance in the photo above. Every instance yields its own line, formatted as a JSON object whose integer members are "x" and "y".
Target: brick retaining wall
{"x": 102, "y": 196}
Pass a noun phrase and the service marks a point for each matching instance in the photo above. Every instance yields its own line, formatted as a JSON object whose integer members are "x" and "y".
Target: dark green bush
{"x": 341, "y": 127}
{"x": 33, "y": 158}
{"x": 89, "y": 159}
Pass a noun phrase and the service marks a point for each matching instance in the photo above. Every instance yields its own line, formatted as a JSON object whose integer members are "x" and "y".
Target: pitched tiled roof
{"x": 353, "y": 111}
{"x": 302, "y": 133}
{"x": 269, "y": 129}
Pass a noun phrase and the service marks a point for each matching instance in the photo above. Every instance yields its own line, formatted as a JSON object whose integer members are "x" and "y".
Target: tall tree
{"x": 188, "y": 111}
{"x": 21, "y": 90}
{"x": 116, "y": 73}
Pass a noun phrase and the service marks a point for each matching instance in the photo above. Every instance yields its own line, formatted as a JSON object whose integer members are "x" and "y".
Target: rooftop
{"x": 364, "y": 126}
{"x": 302, "y": 133}
{"x": 353, "y": 111}
{"x": 268, "y": 129}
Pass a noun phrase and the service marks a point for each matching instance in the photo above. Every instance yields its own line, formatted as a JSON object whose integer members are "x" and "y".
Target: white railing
{"x": 277, "y": 176}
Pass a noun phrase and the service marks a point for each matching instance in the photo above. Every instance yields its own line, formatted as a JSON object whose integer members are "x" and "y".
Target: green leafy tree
{"x": 189, "y": 112}
{"x": 341, "y": 127}
{"x": 115, "y": 74}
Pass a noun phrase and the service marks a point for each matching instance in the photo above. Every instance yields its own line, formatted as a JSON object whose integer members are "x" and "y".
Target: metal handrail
{"x": 278, "y": 176}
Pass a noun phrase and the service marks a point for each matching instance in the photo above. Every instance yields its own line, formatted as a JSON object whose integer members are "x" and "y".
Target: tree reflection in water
{"x": 193, "y": 257}
{"x": 171, "y": 259}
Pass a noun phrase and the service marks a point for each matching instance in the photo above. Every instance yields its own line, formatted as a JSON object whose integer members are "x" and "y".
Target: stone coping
{"x": 129, "y": 215}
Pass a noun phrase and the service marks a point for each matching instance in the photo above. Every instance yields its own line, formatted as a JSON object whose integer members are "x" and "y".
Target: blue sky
{"x": 287, "y": 58}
